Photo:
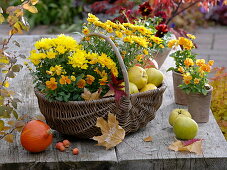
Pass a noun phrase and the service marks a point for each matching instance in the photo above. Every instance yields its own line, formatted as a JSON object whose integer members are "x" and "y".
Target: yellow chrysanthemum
{"x": 191, "y": 36}
{"x": 58, "y": 69}
{"x": 172, "y": 43}
{"x": 92, "y": 18}
{"x": 187, "y": 78}
{"x": 78, "y": 59}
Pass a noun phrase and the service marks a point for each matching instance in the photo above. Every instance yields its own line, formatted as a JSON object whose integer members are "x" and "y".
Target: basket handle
{"x": 120, "y": 60}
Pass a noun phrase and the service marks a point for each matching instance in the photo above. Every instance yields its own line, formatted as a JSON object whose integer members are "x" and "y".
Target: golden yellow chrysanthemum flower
{"x": 188, "y": 62}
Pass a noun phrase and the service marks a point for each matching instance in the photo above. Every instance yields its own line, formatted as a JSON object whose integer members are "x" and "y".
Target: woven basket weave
{"x": 78, "y": 118}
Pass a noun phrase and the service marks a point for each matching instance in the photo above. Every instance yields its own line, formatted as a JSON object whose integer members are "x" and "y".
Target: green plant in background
{"x": 65, "y": 15}
{"x": 219, "y": 99}
{"x": 14, "y": 17}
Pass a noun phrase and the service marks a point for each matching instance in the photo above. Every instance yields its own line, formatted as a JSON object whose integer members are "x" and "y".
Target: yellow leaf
{"x": 87, "y": 95}
{"x": 1, "y": 125}
{"x": 6, "y": 84}
{"x": 9, "y": 138}
{"x": 19, "y": 124}
{"x": 39, "y": 117}
{"x": 195, "y": 147}
{"x": 11, "y": 123}
{"x": 6, "y": 128}
{"x": 31, "y": 9}
{"x": 2, "y": 19}
{"x": 148, "y": 139}
{"x": 34, "y": 2}
{"x": 112, "y": 133}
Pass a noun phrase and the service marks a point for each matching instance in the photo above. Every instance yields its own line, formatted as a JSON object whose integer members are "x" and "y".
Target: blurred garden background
{"x": 209, "y": 26}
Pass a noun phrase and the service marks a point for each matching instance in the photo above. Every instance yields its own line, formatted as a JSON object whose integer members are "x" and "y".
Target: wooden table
{"x": 13, "y": 156}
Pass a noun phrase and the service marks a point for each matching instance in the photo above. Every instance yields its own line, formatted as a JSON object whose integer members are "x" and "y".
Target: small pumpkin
{"x": 36, "y": 136}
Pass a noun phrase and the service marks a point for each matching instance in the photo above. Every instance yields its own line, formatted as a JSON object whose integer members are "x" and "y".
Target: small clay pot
{"x": 161, "y": 56}
{"x": 179, "y": 95}
{"x": 199, "y": 105}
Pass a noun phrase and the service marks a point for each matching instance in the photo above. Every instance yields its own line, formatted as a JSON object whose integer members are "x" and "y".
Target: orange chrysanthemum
{"x": 64, "y": 80}
{"x": 81, "y": 83}
{"x": 90, "y": 79}
{"x": 52, "y": 84}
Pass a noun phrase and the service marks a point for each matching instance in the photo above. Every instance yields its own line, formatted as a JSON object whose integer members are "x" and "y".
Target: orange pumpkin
{"x": 36, "y": 136}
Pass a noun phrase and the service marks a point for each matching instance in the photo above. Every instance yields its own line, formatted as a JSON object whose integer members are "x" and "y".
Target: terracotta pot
{"x": 199, "y": 105}
{"x": 179, "y": 95}
{"x": 160, "y": 57}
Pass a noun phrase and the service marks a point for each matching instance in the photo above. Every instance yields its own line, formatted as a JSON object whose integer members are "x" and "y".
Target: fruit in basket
{"x": 138, "y": 76}
{"x": 147, "y": 87}
{"x": 132, "y": 88}
{"x": 177, "y": 112}
{"x": 155, "y": 76}
{"x": 185, "y": 128}
{"x": 36, "y": 136}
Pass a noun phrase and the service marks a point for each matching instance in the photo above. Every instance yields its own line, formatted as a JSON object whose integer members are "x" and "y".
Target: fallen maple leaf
{"x": 112, "y": 133}
{"x": 195, "y": 147}
{"x": 148, "y": 139}
{"x": 189, "y": 142}
{"x": 87, "y": 95}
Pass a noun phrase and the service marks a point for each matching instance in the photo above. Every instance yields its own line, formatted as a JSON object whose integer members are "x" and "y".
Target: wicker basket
{"x": 78, "y": 118}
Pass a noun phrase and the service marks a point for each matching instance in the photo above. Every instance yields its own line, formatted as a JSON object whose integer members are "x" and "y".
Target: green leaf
{"x": 10, "y": 74}
{"x": 34, "y": 2}
{"x": 16, "y": 68}
{"x": 1, "y": 125}
{"x": 15, "y": 114}
{"x": 2, "y": 19}
{"x": 14, "y": 104}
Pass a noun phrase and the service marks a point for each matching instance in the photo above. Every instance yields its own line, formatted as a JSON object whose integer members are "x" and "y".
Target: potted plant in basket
{"x": 183, "y": 47}
{"x": 195, "y": 85}
{"x": 77, "y": 82}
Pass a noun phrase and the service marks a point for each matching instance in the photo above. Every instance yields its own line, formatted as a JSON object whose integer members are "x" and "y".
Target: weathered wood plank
{"x": 13, "y": 156}
{"x": 214, "y": 144}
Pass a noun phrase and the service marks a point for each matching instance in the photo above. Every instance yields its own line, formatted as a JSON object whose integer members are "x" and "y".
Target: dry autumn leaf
{"x": 87, "y": 95}
{"x": 112, "y": 133}
{"x": 195, "y": 147}
{"x": 148, "y": 139}
{"x": 9, "y": 138}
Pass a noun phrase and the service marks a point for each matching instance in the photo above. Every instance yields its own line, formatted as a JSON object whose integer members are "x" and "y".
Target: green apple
{"x": 155, "y": 76}
{"x": 132, "y": 88}
{"x": 178, "y": 112}
{"x": 185, "y": 128}
{"x": 147, "y": 87}
{"x": 138, "y": 76}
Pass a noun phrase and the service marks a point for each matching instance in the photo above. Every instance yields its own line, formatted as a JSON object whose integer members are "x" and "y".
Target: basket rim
{"x": 107, "y": 99}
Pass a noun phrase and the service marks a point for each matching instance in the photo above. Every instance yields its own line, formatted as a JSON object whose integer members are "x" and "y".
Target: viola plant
{"x": 195, "y": 75}
{"x": 136, "y": 42}
{"x": 184, "y": 48}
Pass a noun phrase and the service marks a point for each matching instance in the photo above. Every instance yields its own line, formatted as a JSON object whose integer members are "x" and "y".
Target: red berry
{"x": 62, "y": 148}
{"x": 75, "y": 151}
{"x": 58, "y": 145}
{"x": 66, "y": 143}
